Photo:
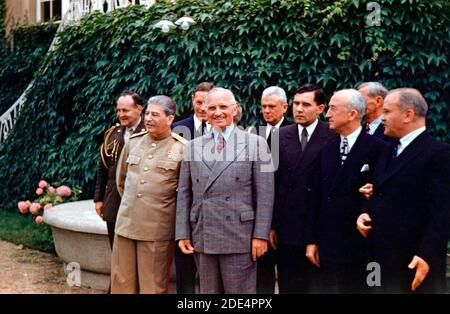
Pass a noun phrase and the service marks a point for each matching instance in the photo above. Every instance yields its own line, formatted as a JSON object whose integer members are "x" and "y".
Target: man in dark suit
{"x": 197, "y": 124}
{"x": 345, "y": 164}
{"x": 107, "y": 199}
{"x": 299, "y": 145}
{"x": 273, "y": 106}
{"x": 225, "y": 200}
{"x": 410, "y": 204}
{"x": 374, "y": 93}
{"x": 194, "y": 126}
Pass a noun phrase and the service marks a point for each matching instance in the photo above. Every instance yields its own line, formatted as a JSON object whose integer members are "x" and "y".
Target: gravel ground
{"x": 28, "y": 271}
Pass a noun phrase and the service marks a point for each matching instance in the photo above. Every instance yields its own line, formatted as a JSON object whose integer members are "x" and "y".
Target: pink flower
{"x": 39, "y": 191}
{"x": 64, "y": 190}
{"x": 50, "y": 190}
{"x": 48, "y": 206}
{"x": 24, "y": 206}
{"x": 34, "y": 208}
{"x": 43, "y": 184}
{"x": 39, "y": 219}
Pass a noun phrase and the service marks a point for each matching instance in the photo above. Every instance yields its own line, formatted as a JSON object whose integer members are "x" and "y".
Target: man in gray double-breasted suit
{"x": 225, "y": 200}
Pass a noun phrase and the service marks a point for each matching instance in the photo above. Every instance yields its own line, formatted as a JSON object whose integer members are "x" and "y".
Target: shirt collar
{"x": 310, "y": 129}
{"x": 351, "y": 138}
{"x": 134, "y": 126}
{"x": 374, "y": 125}
{"x": 226, "y": 134}
{"x": 408, "y": 138}
{"x": 198, "y": 123}
{"x": 270, "y": 127}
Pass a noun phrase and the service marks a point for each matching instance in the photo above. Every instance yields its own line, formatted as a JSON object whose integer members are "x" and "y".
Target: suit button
{"x": 308, "y": 189}
{"x": 150, "y": 156}
{"x": 139, "y": 195}
{"x": 237, "y": 179}
{"x": 329, "y": 198}
{"x": 142, "y": 181}
{"x": 153, "y": 145}
{"x": 227, "y": 198}
{"x": 197, "y": 180}
{"x": 145, "y": 168}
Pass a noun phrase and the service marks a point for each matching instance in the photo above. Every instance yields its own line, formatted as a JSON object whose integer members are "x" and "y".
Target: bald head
{"x": 410, "y": 98}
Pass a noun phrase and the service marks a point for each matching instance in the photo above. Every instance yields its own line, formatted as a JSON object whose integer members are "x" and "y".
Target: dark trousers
{"x": 339, "y": 277}
{"x": 185, "y": 271}
{"x": 296, "y": 274}
{"x": 111, "y": 226}
{"x": 265, "y": 276}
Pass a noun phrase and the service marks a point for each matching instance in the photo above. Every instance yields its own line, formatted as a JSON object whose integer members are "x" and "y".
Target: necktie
{"x": 221, "y": 143}
{"x": 366, "y": 127}
{"x": 395, "y": 149}
{"x": 344, "y": 149}
{"x": 304, "y": 139}
{"x": 269, "y": 138}
{"x": 203, "y": 127}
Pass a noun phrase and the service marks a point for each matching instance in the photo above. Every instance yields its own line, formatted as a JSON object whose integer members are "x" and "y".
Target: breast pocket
{"x": 133, "y": 160}
{"x": 168, "y": 168}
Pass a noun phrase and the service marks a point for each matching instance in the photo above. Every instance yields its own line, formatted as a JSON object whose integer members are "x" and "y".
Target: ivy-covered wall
{"x": 239, "y": 44}
{"x": 20, "y": 57}
{"x": 2, "y": 20}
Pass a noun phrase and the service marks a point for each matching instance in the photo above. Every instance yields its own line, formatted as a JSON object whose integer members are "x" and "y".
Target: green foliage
{"x": 17, "y": 65}
{"x": 242, "y": 45}
{"x": 23, "y": 230}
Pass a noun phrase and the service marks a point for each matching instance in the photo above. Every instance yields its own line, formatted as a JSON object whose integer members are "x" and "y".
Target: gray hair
{"x": 221, "y": 90}
{"x": 164, "y": 101}
{"x": 356, "y": 101}
{"x": 275, "y": 90}
{"x": 374, "y": 88}
{"x": 411, "y": 98}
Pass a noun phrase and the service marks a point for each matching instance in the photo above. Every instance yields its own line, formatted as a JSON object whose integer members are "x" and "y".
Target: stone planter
{"x": 81, "y": 236}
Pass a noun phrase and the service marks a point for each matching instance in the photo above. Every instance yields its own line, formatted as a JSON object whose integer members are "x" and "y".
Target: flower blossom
{"x": 64, "y": 191}
{"x": 23, "y": 206}
{"x": 43, "y": 184}
{"x": 34, "y": 208}
{"x": 48, "y": 206}
{"x": 39, "y": 219}
{"x": 39, "y": 191}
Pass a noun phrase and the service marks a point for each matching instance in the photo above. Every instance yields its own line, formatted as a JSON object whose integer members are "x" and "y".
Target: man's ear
{"x": 410, "y": 115}
{"x": 285, "y": 107}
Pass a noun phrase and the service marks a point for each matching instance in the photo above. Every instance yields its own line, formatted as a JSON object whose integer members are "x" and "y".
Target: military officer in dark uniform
{"x": 107, "y": 200}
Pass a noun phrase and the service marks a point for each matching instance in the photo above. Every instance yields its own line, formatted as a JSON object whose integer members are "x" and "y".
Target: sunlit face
{"x": 127, "y": 112}
{"x": 221, "y": 110}
{"x": 305, "y": 109}
{"x": 198, "y": 100}
{"x": 157, "y": 122}
{"x": 393, "y": 117}
{"x": 339, "y": 113}
{"x": 273, "y": 109}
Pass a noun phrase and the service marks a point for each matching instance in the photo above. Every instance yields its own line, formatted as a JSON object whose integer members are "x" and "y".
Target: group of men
{"x": 309, "y": 204}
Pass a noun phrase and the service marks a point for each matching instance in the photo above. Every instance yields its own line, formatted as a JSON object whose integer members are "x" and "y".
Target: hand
{"x": 186, "y": 246}
{"x": 259, "y": 248}
{"x": 422, "y": 269}
{"x": 99, "y": 208}
{"x": 273, "y": 239}
{"x": 362, "y": 224}
{"x": 367, "y": 190}
{"x": 312, "y": 253}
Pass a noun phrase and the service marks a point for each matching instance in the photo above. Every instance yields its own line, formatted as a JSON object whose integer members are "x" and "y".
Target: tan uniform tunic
{"x": 147, "y": 179}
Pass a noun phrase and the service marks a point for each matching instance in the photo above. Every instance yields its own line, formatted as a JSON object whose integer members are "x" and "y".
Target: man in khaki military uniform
{"x": 147, "y": 179}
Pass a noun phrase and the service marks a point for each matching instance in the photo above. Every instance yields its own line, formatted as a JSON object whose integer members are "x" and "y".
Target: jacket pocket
{"x": 247, "y": 216}
{"x": 167, "y": 165}
{"x": 133, "y": 160}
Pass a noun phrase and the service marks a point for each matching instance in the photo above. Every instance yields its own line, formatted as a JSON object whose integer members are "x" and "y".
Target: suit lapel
{"x": 356, "y": 154}
{"x": 312, "y": 149}
{"x": 235, "y": 146}
{"x": 415, "y": 148}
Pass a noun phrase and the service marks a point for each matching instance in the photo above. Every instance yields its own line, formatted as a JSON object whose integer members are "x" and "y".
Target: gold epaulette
{"x": 179, "y": 138}
{"x": 138, "y": 134}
